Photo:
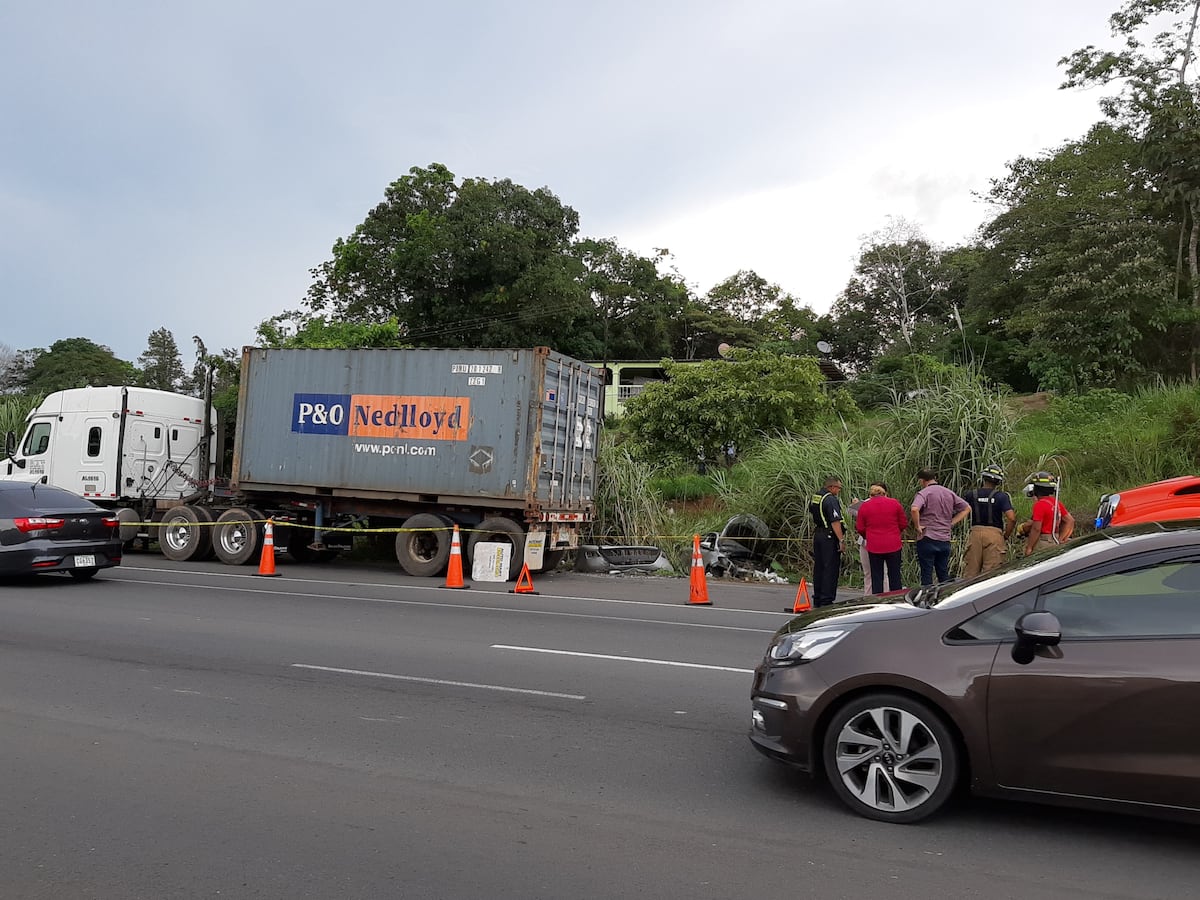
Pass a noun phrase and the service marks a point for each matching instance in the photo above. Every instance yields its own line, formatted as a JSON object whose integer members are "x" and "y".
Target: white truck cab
{"x": 114, "y": 445}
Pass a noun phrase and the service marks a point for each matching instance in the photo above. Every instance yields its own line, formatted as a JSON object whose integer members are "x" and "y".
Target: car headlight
{"x": 807, "y": 645}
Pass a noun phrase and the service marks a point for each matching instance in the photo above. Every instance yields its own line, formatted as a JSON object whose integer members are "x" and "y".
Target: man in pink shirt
{"x": 935, "y": 512}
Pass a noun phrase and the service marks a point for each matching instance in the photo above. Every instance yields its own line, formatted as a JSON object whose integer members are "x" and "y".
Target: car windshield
{"x": 958, "y": 593}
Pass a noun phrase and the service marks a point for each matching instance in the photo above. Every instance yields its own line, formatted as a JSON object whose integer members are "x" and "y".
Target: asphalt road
{"x": 190, "y": 730}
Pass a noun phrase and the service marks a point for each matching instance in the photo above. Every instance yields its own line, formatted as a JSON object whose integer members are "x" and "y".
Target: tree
{"x": 1160, "y": 106}
{"x": 1073, "y": 282}
{"x": 476, "y": 263}
{"x": 294, "y": 329}
{"x": 639, "y": 308}
{"x": 896, "y": 298}
{"x": 11, "y": 374}
{"x": 749, "y": 311}
{"x": 745, "y": 295}
{"x": 76, "y": 362}
{"x": 704, "y": 410}
{"x": 161, "y": 366}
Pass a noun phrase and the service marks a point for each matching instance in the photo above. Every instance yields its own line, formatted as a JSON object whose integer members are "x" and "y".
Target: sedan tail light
{"x": 110, "y": 522}
{"x": 36, "y": 523}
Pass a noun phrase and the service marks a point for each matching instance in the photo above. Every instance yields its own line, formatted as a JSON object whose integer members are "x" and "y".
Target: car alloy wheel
{"x": 891, "y": 758}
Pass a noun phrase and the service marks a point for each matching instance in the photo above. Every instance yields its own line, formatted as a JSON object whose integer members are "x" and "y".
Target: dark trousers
{"x": 878, "y": 561}
{"x": 933, "y": 556}
{"x": 827, "y": 565}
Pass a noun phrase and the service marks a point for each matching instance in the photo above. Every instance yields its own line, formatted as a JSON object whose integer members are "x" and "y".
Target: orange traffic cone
{"x": 524, "y": 582}
{"x": 266, "y": 560}
{"x": 803, "y": 601}
{"x": 454, "y": 573}
{"x": 699, "y": 587}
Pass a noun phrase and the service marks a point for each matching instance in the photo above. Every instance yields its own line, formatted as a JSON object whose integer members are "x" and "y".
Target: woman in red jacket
{"x": 881, "y": 519}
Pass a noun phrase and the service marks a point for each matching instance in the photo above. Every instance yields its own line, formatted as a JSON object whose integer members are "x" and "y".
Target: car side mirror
{"x": 1035, "y": 629}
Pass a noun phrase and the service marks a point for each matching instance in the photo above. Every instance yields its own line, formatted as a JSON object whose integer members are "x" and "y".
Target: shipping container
{"x": 513, "y": 428}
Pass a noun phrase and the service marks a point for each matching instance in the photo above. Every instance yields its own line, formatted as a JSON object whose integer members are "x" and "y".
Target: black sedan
{"x": 47, "y": 529}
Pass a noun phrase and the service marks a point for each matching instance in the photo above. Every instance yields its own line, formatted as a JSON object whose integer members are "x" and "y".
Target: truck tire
{"x": 500, "y": 530}
{"x": 184, "y": 534}
{"x": 237, "y": 537}
{"x": 129, "y": 519}
{"x": 424, "y": 553}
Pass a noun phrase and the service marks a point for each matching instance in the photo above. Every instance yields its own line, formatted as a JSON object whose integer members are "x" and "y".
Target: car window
{"x": 997, "y": 623}
{"x": 961, "y": 593}
{"x": 1155, "y": 600}
{"x": 37, "y": 441}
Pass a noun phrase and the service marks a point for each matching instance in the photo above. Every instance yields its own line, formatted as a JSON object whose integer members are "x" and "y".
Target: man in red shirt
{"x": 1050, "y": 523}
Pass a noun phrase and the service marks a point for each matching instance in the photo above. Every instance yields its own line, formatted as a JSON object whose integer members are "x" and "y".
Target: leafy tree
{"x": 476, "y": 263}
{"x": 638, "y": 307}
{"x": 1073, "y": 282}
{"x": 704, "y": 410}
{"x": 896, "y": 298}
{"x": 75, "y": 362}
{"x": 746, "y": 296}
{"x": 1160, "y": 105}
{"x": 748, "y": 311}
{"x": 12, "y": 369}
{"x": 792, "y": 327}
{"x": 293, "y": 330}
{"x": 161, "y": 366}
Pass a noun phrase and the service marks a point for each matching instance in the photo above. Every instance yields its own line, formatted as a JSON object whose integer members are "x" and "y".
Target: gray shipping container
{"x": 504, "y": 428}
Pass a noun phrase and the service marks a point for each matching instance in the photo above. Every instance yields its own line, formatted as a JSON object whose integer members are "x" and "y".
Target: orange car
{"x": 1175, "y": 498}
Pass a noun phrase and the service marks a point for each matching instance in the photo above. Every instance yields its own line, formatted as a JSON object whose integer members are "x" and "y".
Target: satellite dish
{"x": 723, "y": 350}
{"x": 824, "y": 346}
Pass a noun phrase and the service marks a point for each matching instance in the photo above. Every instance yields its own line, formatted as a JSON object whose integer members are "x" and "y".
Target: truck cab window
{"x": 37, "y": 441}
{"x": 93, "y": 441}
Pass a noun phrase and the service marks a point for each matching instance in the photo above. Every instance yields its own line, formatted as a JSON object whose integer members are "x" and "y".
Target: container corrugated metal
{"x": 455, "y": 425}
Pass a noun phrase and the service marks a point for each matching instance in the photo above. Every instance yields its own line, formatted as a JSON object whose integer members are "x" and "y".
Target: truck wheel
{"x": 183, "y": 534}
{"x": 424, "y": 553}
{"x": 237, "y": 537}
{"x": 500, "y": 530}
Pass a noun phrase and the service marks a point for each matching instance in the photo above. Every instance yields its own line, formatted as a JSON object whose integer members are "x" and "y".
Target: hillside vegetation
{"x": 1095, "y": 442}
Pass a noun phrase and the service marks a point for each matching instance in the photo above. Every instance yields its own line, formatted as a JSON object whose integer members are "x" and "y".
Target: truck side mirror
{"x": 10, "y": 443}
{"x": 1034, "y": 630}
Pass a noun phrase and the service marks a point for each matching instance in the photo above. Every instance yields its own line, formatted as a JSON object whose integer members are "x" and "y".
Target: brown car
{"x": 1071, "y": 676}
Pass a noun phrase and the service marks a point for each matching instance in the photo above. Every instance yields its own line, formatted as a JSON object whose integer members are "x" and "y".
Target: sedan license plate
{"x": 85, "y": 562}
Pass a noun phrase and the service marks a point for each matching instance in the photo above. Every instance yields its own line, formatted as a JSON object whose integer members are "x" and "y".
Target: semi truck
{"x": 333, "y": 445}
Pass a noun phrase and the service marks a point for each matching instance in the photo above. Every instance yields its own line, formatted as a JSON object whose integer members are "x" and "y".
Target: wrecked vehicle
{"x": 739, "y": 550}
{"x": 608, "y": 558}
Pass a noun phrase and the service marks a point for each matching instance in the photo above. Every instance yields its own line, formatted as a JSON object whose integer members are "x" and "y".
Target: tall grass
{"x": 954, "y": 425}
{"x": 628, "y": 510}
{"x": 13, "y": 411}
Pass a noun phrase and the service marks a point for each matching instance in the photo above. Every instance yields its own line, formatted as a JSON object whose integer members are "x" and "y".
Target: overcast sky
{"x": 186, "y": 165}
